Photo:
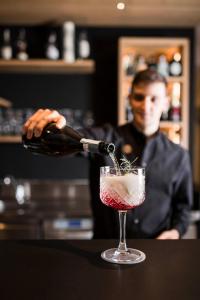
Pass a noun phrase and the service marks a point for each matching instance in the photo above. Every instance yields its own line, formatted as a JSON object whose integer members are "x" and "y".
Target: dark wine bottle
{"x": 65, "y": 141}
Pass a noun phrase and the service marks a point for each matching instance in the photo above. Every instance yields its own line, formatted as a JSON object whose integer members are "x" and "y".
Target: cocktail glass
{"x": 122, "y": 190}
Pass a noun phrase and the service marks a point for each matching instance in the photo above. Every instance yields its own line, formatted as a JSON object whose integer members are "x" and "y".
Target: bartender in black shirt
{"x": 165, "y": 211}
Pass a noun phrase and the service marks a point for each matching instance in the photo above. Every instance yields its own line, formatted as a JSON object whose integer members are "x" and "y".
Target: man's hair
{"x": 146, "y": 77}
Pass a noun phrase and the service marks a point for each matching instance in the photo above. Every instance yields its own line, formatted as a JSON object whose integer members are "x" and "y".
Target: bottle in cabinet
{"x": 175, "y": 109}
{"x": 175, "y": 66}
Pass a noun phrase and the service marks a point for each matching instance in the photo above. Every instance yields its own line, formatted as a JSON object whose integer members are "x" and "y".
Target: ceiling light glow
{"x": 120, "y": 5}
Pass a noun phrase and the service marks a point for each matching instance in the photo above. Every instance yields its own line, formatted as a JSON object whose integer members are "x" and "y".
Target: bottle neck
{"x": 97, "y": 146}
{"x": 6, "y": 36}
{"x": 90, "y": 145}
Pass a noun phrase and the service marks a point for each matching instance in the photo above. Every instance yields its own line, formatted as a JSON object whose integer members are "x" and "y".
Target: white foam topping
{"x": 130, "y": 187}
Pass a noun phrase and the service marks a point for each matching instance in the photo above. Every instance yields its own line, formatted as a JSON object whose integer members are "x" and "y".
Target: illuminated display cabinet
{"x": 170, "y": 56}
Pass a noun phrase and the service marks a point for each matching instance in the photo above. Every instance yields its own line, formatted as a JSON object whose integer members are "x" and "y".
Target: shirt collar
{"x": 141, "y": 136}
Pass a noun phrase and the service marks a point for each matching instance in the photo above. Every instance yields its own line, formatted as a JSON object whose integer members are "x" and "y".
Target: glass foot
{"x": 132, "y": 256}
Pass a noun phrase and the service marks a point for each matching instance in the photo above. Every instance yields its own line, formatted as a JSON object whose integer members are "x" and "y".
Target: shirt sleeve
{"x": 182, "y": 196}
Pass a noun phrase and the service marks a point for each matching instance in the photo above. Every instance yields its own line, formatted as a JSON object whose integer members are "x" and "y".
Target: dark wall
{"x": 97, "y": 92}
{"x": 46, "y": 90}
{"x": 53, "y": 91}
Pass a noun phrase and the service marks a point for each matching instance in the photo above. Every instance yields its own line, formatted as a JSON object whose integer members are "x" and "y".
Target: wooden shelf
{"x": 175, "y": 78}
{"x": 47, "y": 66}
{"x": 10, "y": 139}
{"x": 170, "y": 124}
{"x": 169, "y": 78}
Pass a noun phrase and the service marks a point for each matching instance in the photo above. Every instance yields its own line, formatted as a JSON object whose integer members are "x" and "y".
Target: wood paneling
{"x": 104, "y": 12}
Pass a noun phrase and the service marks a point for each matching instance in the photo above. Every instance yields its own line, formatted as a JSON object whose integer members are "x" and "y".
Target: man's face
{"x": 147, "y": 103}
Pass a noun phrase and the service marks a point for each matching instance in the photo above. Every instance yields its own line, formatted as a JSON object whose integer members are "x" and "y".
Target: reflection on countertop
{"x": 45, "y": 209}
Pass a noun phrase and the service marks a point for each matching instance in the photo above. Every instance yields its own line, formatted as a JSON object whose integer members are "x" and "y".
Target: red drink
{"x": 122, "y": 192}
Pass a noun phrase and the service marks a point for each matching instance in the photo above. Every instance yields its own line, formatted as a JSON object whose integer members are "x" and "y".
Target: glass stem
{"x": 122, "y": 238}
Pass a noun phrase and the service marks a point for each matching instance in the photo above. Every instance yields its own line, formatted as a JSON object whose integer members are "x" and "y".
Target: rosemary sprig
{"x": 127, "y": 165}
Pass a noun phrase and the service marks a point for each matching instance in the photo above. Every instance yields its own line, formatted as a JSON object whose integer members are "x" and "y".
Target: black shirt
{"x": 168, "y": 183}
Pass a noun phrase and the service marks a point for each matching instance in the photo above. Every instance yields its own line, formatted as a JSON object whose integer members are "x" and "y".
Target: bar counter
{"x": 71, "y": 269}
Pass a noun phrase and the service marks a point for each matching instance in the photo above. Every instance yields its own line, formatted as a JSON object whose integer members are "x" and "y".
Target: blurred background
{"x": 79, "y": 57}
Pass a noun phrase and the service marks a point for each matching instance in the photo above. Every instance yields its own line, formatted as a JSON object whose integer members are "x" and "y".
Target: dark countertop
{"x": 57, "y": 269}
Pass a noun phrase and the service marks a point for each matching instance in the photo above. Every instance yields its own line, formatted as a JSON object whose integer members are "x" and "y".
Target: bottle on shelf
{"x": 175, "y": 65}
{"x": 163, "y": 65}
{"x": 6, "y": 48}
{"x": 52, "y": 51}
{"x": 129, "y": 112}
{"x": 22, "y": 45}
{"x": 68, "y": 42}
{"x": 83, "y": 45}
{"x": 65, "y": 141}
{"x": 88, "y": 119}
{"x": 128, "y": 63}
{"x": 78, "y": 118}
{"x": 140, "y": 64}
{"x": 175, "y": 110}
{"x": 165, "y": 114}
{"x": 152, "y": 62}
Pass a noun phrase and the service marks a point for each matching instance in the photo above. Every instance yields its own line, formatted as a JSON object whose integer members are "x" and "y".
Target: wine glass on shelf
{"x": 122, "y": 190}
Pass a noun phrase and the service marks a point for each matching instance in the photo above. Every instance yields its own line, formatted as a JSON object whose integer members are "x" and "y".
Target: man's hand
{"x": 36, "y": 123}
{"x": 172, "y": 234}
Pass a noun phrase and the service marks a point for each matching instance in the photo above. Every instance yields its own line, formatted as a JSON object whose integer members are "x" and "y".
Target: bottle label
{"x": 89, "y": 145}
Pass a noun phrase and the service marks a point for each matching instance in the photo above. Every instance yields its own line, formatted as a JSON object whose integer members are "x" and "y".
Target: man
{"x": 165, "y": 212}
